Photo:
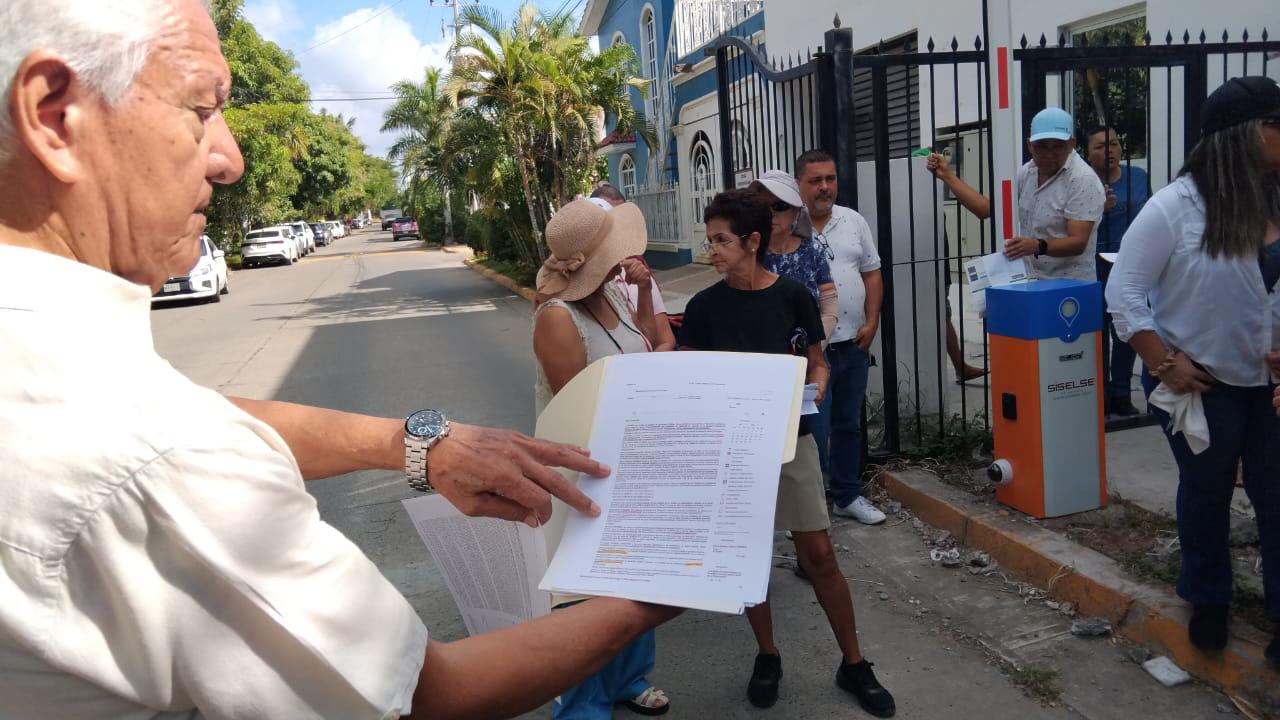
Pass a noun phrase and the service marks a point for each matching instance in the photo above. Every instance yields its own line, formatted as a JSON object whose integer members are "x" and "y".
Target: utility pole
{"x": 457, "y": 32}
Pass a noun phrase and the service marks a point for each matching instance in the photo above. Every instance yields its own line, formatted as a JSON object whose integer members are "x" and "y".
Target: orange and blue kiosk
{"x": 1045, "y": 341}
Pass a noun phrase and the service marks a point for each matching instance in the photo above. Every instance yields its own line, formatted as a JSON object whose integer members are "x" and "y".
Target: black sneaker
{"x": 762, "y": 691}
{"x": 1208, "y": 627}
{"x": 861, "y": 681}
{"x": 1123, "y": 407}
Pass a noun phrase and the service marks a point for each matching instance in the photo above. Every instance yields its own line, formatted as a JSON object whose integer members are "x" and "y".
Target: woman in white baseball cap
{"x": 792, "y": 251}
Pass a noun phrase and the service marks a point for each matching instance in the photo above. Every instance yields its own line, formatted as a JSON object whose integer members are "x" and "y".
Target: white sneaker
{"x": 861, "y": 510}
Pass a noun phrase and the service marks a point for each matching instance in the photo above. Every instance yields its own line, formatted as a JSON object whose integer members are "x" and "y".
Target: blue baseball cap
{"x": 1051, "y": 123}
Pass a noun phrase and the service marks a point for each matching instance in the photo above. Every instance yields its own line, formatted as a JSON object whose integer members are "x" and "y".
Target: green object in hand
{"x": 922, "y": 152}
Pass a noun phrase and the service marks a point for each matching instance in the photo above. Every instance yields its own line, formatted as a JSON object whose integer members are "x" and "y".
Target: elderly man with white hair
{"x": 162, "y": 566}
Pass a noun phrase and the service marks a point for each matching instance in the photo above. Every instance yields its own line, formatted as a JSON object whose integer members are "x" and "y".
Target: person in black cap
{"x": 1194, "y": 291}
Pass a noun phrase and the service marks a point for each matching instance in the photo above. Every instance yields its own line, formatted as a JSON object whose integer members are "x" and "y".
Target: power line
{"x": 353, "y": 27}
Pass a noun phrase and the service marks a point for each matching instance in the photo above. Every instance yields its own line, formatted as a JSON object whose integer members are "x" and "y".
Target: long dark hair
{"x": 1240, "y": 196}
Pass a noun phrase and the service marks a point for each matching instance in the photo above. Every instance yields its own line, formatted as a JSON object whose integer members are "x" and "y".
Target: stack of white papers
{"x": 696, "y": 442}
{"x": 490, "y": 566}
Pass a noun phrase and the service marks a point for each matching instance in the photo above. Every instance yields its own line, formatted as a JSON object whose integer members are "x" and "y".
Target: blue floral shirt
{"x": 806, "y": 265}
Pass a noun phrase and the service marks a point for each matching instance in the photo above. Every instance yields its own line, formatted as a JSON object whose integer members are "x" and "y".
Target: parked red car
{"x": 404, "y": 227}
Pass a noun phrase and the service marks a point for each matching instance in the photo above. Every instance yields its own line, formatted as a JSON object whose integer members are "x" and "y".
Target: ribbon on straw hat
{"x": 586, "y": 243}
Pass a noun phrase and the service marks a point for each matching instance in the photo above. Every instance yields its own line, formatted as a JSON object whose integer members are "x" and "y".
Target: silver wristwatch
{"x": 422, "y": 430}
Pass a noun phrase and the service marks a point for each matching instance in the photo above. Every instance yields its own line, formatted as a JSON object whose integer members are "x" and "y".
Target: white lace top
{"x": 599, "y": 342}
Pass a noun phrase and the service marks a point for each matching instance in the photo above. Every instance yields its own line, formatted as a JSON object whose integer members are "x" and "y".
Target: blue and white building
{"x": 673, "y": 181}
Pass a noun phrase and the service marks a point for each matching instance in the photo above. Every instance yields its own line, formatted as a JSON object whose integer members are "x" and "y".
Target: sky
{"x": 357, "y": 48}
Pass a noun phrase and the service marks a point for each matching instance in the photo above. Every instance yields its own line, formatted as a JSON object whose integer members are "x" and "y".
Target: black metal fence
{"x": 1148, "y": 92}
{"x": 768, "y": 115}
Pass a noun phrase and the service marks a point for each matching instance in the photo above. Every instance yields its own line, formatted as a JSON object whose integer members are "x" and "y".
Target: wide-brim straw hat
{"x": 586, "y": 243}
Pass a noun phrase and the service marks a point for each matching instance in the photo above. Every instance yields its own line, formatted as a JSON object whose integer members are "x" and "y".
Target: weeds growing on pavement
{"x": 1040, "y": 683}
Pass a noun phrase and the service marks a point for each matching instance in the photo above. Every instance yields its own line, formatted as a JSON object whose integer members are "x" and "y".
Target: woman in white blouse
{"x": 1195, "y": 292}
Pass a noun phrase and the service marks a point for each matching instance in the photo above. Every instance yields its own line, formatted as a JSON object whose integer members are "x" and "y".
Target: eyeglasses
{"x": 781, "y": 206}
{"x": 826, "y": 247}
{"x": 718, "y": 242}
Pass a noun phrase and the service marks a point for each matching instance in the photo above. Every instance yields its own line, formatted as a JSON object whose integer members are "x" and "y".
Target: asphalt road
{"x": 368, "y": 325}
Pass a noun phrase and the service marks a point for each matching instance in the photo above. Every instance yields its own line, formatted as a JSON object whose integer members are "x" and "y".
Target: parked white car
{"x": 339, "y": 229}
{"x": 299, "y": 243}
{"x": 206, "y": 281}
{"x": 273, "y": 245}
{"x": 303, "y": 230}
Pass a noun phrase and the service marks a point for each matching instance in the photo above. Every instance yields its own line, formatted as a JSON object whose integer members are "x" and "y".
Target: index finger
{"x": 570, "y": 457}
{"x": 553, "y": 482}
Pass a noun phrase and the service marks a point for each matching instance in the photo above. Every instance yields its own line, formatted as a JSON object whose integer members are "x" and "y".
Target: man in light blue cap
{"x": 1060, "y": 201}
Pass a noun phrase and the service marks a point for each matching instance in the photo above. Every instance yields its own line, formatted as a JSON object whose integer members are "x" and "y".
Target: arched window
{"x": 702, "y": 161}
{"x": 627, "y": 175}
{"x": 742, "y": 156}
{"x": 649, "y": 57}
{"x": 618, "y": 39}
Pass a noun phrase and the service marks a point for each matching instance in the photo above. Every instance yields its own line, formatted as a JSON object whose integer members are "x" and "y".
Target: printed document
{"x": 490, "y": 566}
{"x": 808, "y": 406}
{"x": 696, "y": 442}
{"x": 994, "y": 270}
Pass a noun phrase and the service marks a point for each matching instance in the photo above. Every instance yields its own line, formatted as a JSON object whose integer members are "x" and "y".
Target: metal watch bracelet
{"x": 415, "y": 461}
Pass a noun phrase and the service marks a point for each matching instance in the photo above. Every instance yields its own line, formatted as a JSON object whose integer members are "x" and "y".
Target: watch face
{"x": 425, "y": 423}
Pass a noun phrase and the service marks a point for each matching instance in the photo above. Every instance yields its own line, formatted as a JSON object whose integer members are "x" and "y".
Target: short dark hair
{"x": 747, "y": 213}
{"x": 809, "y": 157}
{"x": 1094, "y": 130}
{"x": 608, "y": 192}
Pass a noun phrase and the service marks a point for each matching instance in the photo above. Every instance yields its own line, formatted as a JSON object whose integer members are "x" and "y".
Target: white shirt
{"x": 849, "y": 237}
{"x": 1217, "y": 311}
{"x": 1073, "y": 193}
{"x": 161, "y": 556}
{"x": 633, "y": 294}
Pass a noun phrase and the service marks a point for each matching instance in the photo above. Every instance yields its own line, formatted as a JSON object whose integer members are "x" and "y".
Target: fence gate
{"x": 769, "y": 115}
{"x": 872, "y": 109}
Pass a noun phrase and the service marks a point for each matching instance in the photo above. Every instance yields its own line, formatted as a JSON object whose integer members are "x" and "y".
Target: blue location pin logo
{"x": 1068, "y": 309}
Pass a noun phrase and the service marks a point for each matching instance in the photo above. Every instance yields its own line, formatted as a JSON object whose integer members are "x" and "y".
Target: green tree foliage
{"x": 512, "y": 126}
{"x": 297, "y": 163}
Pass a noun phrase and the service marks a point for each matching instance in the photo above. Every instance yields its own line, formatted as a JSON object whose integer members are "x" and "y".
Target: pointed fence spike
{"x": 1264, "y": 34}
{"x": 1023, "y": 42}
{"x": 1186, "y": 37}
{"x": 836, "y": 21}
{"x": 1044, "y": 42}
{"x": 1244, "y": 36}
{"x": 977, "y": 42}
{"x": 1203, "y": 38}
{"x": 1168, "y": 37}
{"x": 1146, "y": 37}
{"x": 955, "y": 44}
{"x": 1225, "y": 36}
{"x": 931, "y": 46}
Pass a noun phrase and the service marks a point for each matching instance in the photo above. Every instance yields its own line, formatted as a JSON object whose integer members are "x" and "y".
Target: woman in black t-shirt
{"x": 754, "y": 310}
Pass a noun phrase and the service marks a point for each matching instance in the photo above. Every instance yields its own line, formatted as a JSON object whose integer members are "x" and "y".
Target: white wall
{"x": 788, "y": 31}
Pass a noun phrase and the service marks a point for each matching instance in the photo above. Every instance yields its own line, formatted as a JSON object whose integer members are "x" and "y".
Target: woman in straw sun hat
{"x": 582, "y": 316}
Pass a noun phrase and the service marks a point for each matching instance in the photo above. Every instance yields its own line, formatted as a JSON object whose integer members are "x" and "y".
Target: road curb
{"x": 1147, "y": 614}
{"x": 503, "y": 280}
{"x": 457, "y": 250}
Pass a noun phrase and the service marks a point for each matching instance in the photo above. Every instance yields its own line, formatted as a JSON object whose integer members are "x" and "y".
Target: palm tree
{"x": 422, "y": 114}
